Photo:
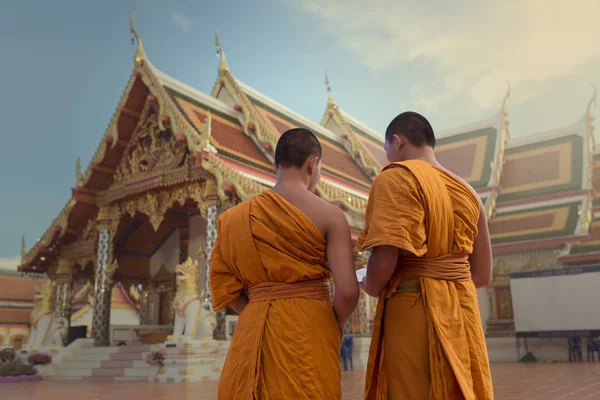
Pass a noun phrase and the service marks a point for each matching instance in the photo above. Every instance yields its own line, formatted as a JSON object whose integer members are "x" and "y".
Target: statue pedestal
{"x": 190, "y": 360}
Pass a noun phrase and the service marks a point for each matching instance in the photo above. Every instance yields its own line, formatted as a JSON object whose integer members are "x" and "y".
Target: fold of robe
{"x": 283, "y": 348}
{"x": 432, "y": 215}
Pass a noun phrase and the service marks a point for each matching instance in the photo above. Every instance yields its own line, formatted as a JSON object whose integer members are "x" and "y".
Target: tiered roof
{"x": 537, "y": 189}
{"x": 16, "y": 298}
{"x": 547, "y": 193}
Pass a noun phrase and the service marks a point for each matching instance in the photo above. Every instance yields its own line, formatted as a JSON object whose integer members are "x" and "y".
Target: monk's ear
{"x": 398, "y": 141}
{"x": 275, "y": 167}
{"x": 311, "y": 164}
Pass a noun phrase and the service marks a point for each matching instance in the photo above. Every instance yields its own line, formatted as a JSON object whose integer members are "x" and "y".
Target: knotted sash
{"x": 317, "y": 289}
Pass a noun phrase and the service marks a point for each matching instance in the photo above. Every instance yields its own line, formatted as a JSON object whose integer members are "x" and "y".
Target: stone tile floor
{"x": 511, "y": 382}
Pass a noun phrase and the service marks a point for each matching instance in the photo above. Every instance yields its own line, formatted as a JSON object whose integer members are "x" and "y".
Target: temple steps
{"x": 108, "y": 363}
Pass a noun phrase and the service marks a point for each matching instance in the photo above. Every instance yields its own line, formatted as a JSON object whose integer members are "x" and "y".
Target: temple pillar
{"x": 144, "y": 305}
{"x": 102, "y": 290}
{"x": 64, "y": 287}
{"x": 211, "y": 237}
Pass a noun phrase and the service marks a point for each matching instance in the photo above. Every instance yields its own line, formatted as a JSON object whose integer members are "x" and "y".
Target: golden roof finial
{"x": 331, "y": 100}
{"x": 507, "y": 97}
{"x": 593, "y": 99}
{"x": 140, "y": 55}
{"x": 78, "y": 174}
{"x": 223, "y": 66}
{"x": 23, "y": 250}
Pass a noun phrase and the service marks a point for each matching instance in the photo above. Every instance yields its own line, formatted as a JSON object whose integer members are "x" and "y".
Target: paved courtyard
{"x": 511, "y": 382}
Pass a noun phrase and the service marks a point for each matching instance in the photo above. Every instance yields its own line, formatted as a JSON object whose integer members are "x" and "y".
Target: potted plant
{"x": 16, "y": 371}
{"x": 39, "y": 359}
{"x": 156, "y": 360}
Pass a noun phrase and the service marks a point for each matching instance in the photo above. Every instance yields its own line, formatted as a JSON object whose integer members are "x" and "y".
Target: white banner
{"x": 561, "y": 302}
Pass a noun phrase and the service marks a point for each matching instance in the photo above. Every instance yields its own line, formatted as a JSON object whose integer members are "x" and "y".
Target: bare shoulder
{"x": 329, "y": 214}
{"x": 323, "y": 206}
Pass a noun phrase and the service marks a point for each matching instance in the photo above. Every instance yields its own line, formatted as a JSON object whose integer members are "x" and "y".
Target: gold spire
{"x": 140, "y": 55}
{"x": 78, "y": 174}
{"x": 223, "y": 66}
{"x": 507, "y": 96}
{"x": 331, "y": 100}
{"x": 23, "y": 251}
{"x": 592, "y": 100}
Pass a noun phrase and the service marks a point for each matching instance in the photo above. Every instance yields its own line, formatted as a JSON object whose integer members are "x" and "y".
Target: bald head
{"x": 412, "y": 126}
{"x": 296, "y": 146}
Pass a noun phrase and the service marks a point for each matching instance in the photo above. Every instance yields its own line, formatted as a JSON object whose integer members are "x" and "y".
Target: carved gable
{"x": 151, "y": 151}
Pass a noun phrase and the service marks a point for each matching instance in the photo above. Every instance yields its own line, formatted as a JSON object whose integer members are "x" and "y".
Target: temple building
{"x": 16, "y": 303}
{"x": 173, "y": 159}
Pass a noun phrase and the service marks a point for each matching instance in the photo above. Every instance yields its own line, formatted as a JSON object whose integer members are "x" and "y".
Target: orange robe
{"x": 285, "y": 348}
{"x": 428, "y": 342}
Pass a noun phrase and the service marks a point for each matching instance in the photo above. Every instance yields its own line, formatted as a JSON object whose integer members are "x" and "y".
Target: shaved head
{"x": 412, "y": 126}
{"x": 296, "y": 146}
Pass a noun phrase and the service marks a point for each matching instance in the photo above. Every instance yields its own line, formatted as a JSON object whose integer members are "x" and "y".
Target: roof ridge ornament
{"x": 593, "y": 99}
{"x": 220, "y": 53}
{"x": 140, "y": 55}
{"x": 23, "y": 249}
{"x": 507, "y": 96}
{"x": 78, "y": 174}
{"x": 331, "y": 100}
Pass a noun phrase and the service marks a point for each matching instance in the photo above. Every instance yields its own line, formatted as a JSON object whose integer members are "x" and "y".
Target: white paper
{"x": 361, "y": 274}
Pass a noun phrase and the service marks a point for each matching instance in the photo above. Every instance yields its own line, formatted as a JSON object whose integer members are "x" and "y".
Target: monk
{"x": 430, "y": 250}
{"x": 272, "y": 262}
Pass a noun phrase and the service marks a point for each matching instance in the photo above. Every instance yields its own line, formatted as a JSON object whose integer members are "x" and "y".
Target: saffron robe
{"x": 284, "y": 348}
{"x": 427, "y": 343}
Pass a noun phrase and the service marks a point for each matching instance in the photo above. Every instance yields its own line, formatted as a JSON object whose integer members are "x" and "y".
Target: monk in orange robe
{"x": 430, "y": 244}
{"x": 272, "y": 262}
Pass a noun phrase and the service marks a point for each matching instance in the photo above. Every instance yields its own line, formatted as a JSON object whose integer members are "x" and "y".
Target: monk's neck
{"x": 285, "y": 184}
{"x": 426, "y": 155}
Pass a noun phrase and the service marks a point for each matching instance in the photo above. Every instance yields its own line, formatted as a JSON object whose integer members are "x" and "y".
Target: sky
{"x": 64, "y": 66}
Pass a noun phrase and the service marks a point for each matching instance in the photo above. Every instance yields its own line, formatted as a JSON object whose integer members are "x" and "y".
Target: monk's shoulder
{"x": 319, "y": 203}
{"x": 233, "y": 211}
{"x": 325, "y": 210}
{"x": 397, "y": 174}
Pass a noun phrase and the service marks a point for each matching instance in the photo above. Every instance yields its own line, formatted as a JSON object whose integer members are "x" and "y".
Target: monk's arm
{"x": 226, "y": 288}
{"x": 380, "y": 269}
{"x": 481, "y": 258}
{"x": 339, "y": 255}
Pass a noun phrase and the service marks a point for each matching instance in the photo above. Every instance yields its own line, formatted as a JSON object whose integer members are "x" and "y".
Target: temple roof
{"x": 546, "y": 188}
{"x": 538, "y": 189}
{"x": 16, "y": 288}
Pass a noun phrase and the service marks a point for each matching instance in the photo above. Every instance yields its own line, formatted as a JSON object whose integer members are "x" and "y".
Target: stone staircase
{"x": 112, "y": 363}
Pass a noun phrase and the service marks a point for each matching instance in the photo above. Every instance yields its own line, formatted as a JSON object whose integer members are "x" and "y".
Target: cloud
{"x": 475, "y": 47}
{"x": 9, "y": 263}
{"x": 182, "y": 22}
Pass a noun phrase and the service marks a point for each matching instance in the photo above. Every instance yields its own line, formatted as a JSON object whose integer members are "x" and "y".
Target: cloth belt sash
{"x": 314, "y": 290}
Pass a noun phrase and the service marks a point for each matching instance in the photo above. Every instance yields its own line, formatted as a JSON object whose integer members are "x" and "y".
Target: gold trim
{"x": 365, "y": 158}
{"x": 215, "y": 142}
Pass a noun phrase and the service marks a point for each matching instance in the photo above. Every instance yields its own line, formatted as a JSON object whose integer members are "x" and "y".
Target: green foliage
{"x": 16, "y": 368}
